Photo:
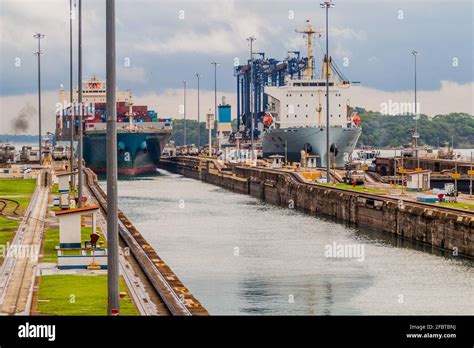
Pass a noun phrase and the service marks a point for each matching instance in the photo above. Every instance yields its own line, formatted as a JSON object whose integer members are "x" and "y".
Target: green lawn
{"x": 19, "y": 190}
{"x": 51, "y": 241}
{"x": 7, "y": 231}
{"x": 8, "y": 224}
{"x": 459, "y": 205}
{"x": 358, "y": 188}
{"x": 78, "y": 295}
{"x": 4, "y": 238}
{"x": 17, "y": 186}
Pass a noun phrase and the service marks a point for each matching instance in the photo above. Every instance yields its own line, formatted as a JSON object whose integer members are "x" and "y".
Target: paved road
{"x": 17, "y": 274}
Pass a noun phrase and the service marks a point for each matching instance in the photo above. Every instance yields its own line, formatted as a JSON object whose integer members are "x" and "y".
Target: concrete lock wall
{"x": 434, "y": 226}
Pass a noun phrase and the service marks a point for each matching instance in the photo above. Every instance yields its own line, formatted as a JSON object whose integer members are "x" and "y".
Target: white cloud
{"x": 451, "y": 97}
{"x": 132, "y": 74}
{"x": 347, "y": 34}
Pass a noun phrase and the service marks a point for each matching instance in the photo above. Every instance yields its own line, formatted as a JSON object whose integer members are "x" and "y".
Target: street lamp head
{"x": 415, "y": 53}
{"x": 198, "y": 75}
{"x": 38, "y": 36}
{"x": 251, "y": 38}
{"x": 327, "y": 4}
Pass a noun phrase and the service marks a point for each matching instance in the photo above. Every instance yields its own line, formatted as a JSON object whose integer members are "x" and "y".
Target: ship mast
{"x": 309, "y": 31}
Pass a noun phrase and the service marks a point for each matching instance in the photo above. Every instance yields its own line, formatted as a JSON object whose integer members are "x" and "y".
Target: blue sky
{"x": 164, "y": 49}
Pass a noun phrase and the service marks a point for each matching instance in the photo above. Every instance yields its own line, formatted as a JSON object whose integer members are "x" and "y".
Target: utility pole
{"x": 251, "y": 39}
{"x": 71, "y": 101}
{"x": 39, "y": 36}
{"x": 215, "y": 94}
{"x": 199, "y": 123}
{"x": 184, "y": 84}
{"x": 112, "y": 213}
{"x": 79, "y": 100}
{"x": 415, "y": 135}
{"x": 327, "y": 5}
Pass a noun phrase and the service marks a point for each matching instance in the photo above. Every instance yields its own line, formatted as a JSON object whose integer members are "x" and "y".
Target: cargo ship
{"x": 296, "y": 115}
{"x": 141, "y": 135}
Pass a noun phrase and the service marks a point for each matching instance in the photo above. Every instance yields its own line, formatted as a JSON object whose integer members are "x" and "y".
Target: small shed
{"x": 277, "y": 161}
{"x": 70, "y": 225}
{"x": 418, "y": 180}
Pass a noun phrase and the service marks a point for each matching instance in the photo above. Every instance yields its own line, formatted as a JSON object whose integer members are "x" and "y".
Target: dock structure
{"x": 444, "y": 228}
{"x": 387, "y": 165}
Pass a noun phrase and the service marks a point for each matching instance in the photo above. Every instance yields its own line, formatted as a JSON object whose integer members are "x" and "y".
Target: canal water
{"x": 238, "y": 255}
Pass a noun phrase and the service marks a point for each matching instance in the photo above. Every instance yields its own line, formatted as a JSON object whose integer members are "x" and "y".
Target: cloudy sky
{"x": 166, "y": 42}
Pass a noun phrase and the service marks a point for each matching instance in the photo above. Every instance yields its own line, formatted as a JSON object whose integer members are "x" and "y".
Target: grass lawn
{"x": 17, "y": 186}
{"x": 8, "y": 224}
{"x": 78, "y": 295}
{"x": 459, "y": 205}
{"x": 358, "y": 188}
{"x": 4, "y": 238}
{"x": 19, "y": 190}
{"x": 51, "y": 240}
{"x": 7, "y": 231}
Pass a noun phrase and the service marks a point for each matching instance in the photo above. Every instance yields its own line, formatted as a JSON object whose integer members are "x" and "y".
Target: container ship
{"x": 141, "y": 135}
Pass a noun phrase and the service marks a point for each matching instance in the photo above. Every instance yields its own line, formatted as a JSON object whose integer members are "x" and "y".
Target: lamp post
{"x": 71, "y": 100}
{"x": 215, "y": 94}
{"x": 198, "y": 118}
{"x": 39, "y": 36}
{"x": 184, "y": 110}
{"x": 327, "y": 5}
{"x": 251, "y": 39}
{"x": 415, "y": 133}
{"x": 79, "y": 100}
{"x": 112, "y": 212}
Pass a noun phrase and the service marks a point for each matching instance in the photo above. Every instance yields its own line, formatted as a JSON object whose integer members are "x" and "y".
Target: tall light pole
{"x": 79, "y": 100}
{"x": 184, "y": 109}
{"x": 415, "y": 133}
{"x": 327, "y": 5}
{"x": 251, "y": 39}
{"x": 112, "y": 213}
{"x": 39, "y": 36}
{"x": 215, "y": 94}
{"x": 199, "y": 120}
{"x": 71, "y": 99}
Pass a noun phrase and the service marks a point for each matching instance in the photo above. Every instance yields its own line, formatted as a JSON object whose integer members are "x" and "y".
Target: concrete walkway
{"x": 17, "y": 274}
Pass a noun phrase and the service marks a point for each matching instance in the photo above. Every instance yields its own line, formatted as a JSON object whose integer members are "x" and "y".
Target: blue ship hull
{"x": 137, "y": 152}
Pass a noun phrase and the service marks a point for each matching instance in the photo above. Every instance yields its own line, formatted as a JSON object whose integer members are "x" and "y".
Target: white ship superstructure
{"x": 298, "y": 110}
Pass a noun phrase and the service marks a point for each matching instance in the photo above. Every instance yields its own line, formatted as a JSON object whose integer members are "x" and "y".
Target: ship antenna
{"x": 309, "y": 31}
